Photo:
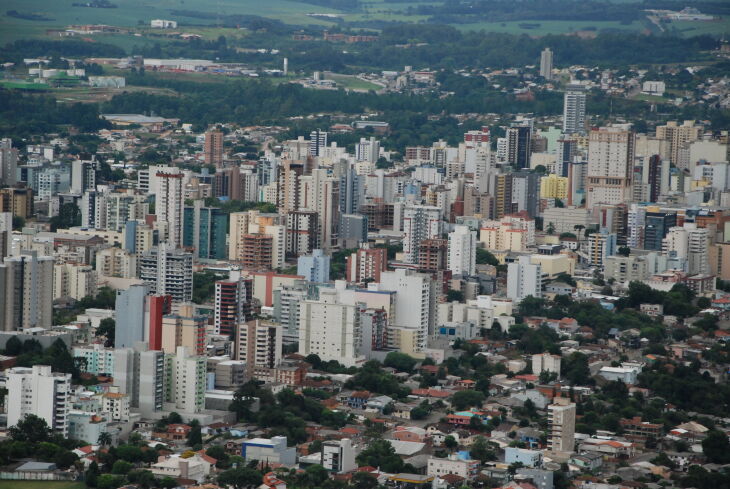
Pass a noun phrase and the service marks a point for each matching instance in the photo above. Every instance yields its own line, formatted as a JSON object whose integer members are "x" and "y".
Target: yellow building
{"x": 553, "y": 265}
{"x": 554, "y": 187}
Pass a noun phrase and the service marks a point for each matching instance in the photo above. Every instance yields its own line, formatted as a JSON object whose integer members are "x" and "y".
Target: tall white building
{"x": 338, "y": 456}
{"x": 170, "y": 205}
{"x": 419, "y": 222}
{"x": 462, "y": 251}
{"x": 330, "y": 329}
{"x": 41, "y": 392}
{"x": 545, "y": 362}
{"x": 367, "y": 150}
{"x": 26, "y": 292}
{"x": 73, "y": 280}
{"x": 317, "y": 142}
{"x": 524, "y": 279}
{"x": 168, "y": 271}
{"x": 561, "y": 425}
{"x": 574, "y": 110}
{"x": 259, "y": 344}
{"x": 610, "y": 163}
{"x": 83, "y": 176}
{"x": 415, "y": 302}
{"x": 691, "y": 243}
{"x": 546, "y": 64}
{"x": 185, "y": 381}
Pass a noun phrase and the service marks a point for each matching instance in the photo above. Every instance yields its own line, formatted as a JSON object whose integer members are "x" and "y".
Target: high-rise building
{"x": 317, "y": 142}
{"x": 367, "y": 150}
{"x": 564, "y": 155}
{"x": 601, "y": 245}
{"x": 554, "y": 187}
{"x": 73, "y": 280}
{"x": 41, "y": 392}
{"x": 366, "y": 264}
{"x": 545, "y": 362}
{"x": 519, "y": 146}
{"x": 419, "y": 222}
{"x": 338, "y": 456}
{"x": 524, "y": 279}
{"x": 286, "y": 308}
{"x": 232, "y": 303}
{"x": 546, "y": 64}
{"x": 185, "y": 381}
{"x": 561, "y": 425}
{"x": 353, "y": 230}
{"x": 83, "y": 176}
{"x": 691, "y": 243}
{"x": 574, "y": 110}
{"x": 330, "y": 329}
{"x": 213, "y": 148}
{"x": 432, "y": 255}
{"x": 26, "y": 292}
{"x": 8, "y": 163}
{"x": 169, "y": 271}
{"x": 656, "y": 227}
{"x": 139, "y": 317}
{"x": 314, "y": 267}
{"x": 525, "y": 192}
{"x": 610, "y": 163}
{"x": 415, "y": 302}
{"x": 17, "y": 200}
{"x": 678, "y": 137}
{"x": 6, "y": 234}
{"x": 302, "y": 232}
{"x": 169, "y": 206}
{"x": 462, "y": 251}
{"x": 184, "y": 328}
{"x": 259, "y": 344}
{"x": 205, "y": 230}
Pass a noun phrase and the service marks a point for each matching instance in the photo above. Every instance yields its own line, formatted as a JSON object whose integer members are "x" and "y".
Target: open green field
{"x": 714, "y": 28}
{"x": 41, "y": 485}
{"x": 541, "y": 28}
{"x": 352, "y": 82}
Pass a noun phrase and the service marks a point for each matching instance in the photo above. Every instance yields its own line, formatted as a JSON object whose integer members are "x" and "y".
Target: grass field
{"x": 548, "y": 27}
{"x": 352, "y": 82}
{"x": 41, "y": 485}
{"x": 686, "y": 28}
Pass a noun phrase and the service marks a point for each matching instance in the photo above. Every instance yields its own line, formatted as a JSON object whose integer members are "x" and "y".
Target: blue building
{"x": 314, "y": 267}
{"x": 205, "y": 229}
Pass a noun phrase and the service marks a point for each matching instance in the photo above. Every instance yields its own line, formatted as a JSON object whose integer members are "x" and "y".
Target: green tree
{"x": 240, "y": 478}
{"x": 31, "y": 428}
{"x": 716, "y": 447}
{"x": 104, "y": 438}
{"x": 400, "y": 361}
{"x": 364, "y": 480}
{"x": 623, "y": 251}
{"x": 574, "y": 369}
{"x": 467, "y": 398}
{"x": 481, "y": 451}
{"x": 106, "y": 329}
{"x": 485, "y": 257}
{"x": 69, "y": 215}
{"x": 195, "y": 436}
{"x": 13, "y": 347}
{"x": 121, "y": 467}
{"x": 450, "y": 443}
{"x": 380, "y": 453}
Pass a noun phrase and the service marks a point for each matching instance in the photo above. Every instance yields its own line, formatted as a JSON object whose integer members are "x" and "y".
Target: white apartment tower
{"x": 610, "y": 163}
{"x": 170, "y": 206}
{"x": 330, "y": 329}
{"x": 415, "y": 302}
{"x": 574, "y": 110}
{"x": 259, "y": 344}
{"x": 367, "y": 150}
{"x": 546, "y": 64}
{"x": 545, "y": 362}
{"x": 524, "y": 278}
{"x": 168, "y": 271}
{"x": 185, "y": 381}
{"x": 561, "y": 425}
{"x": 41, "y": 392}
{"x": 419, "y": 222}
{"x": 462, "y": 251}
